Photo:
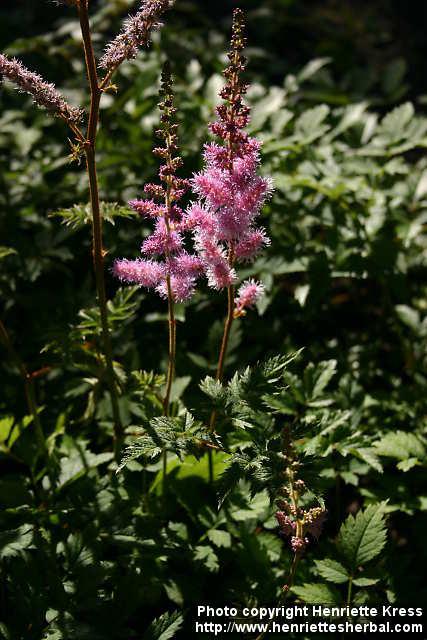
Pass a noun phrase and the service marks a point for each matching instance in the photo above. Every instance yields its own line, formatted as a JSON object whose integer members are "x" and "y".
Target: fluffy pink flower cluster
{"x": 230, "y": 190}
{"x": 224, "y": 218}
{"x": 166, "y": 266}
{"x": 247, "y": 295}
{"x": 164, "y": 255}
{"x": 180, "y": 266}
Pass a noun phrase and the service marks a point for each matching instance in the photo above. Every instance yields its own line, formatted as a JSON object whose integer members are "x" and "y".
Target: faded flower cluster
{"x": 44, "y": 93}
{"x": 134, "y": 34}
{"x": 296, "y": 523}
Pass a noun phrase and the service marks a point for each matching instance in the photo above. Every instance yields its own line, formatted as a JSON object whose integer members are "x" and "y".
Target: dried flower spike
{"x": 44, "y": 93}
{"x": 134, "y": 34}
{"x": 298, "y": 524}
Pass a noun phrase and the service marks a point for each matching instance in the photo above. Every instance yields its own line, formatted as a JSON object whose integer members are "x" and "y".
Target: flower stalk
{"x": 231, "y": 194}
{"x": 98, "y": 249}
{"x": 167, "y": 266}
{"x": 299, "y": 524}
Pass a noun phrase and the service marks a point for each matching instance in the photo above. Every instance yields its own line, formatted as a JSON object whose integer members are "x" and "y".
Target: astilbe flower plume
{"x": 134, "y": 34}
{"x": 166, "y": 265}
{"x": 231, "y": 193}
{"x": 44, "y": 93}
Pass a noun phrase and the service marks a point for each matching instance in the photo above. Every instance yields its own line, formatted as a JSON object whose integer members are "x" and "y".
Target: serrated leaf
{"x": 165, "y": 627}
{"x": 394, "y": 123}
{"x": 13, "y": 541}
{"x": 323, "y": 374}
{"x": 400, "y": 445}
{"x": 369, "y": 455}
{"x": 207, "y": 556}
{"x": 212, "y": 388}
{"x": 407, "y": 465}
{"x": 219, "y": 537}
{"x": 314, "y": 593}
{"x": 80, "y": 215}
{"x": 143, "y": 447}
{"x": 365, "y": 582}
{"x": 363, "y": 537}
{"x": 332, "y": 570}
{"x": 79, "y": 461}
{"x": 309, "y": 125}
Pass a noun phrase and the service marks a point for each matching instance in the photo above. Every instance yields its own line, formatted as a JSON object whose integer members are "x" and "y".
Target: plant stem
{"x": 224, "y": 344}
{"x": 98, "y": 250}
{"x": 349, "y": 590}
{"x": 226, "y": 334}
{"x": 285, "y": 590}
{"x": 220, "y": 367}
{"x": 30, "y": 394}
{"x": 171, "y": 363}
{"x": 294, "y": 497}
{"x": 172, "y": 347}
{"x": 171, "y": 308}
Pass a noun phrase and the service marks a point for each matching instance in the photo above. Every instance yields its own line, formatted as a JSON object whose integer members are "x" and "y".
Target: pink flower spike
{"x": 199, "y": 217}
{"x": 182, "y": 288}
{"x": 185, "y": 264}
{"x": 220, "y": 274}
{"x": 160, "y": 242}
{"x": 250, "y": 244}
{"x": 147, "y": 273}
{"x": 248, "y": 294}
{"x": 147, "y": 208}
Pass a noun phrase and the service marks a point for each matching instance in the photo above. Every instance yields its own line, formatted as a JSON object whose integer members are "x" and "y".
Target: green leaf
{"x": 332, "y": 571}
{"x": 393, "y": 125}
{"x": 369, "y": 455}
{"x": 143, "y": 447}
{"x": 213, "y": 388}
{"x": 365, "y": 582}
{"x": 408, "y": 316}
{"x": 165, "y": 627}
{"x": 15, "y": 540}
{"x": 314, "y": 593}
{"x": 79, "y": 461}
{"x": 323, "y": 374}
{"x": 80, "y": 215}
{"x": 311, "y": 68}
{"x": 407, "y": 465}
{"x": 207, "y": 556}
{"x": 363, "y": 537}
{"x": 309, "y": 125}
{"x": 180, "y": 434}
{"x": 400, "y": 445}
{"x": 178, "y": 387}
{"x": 6, "y": 251}
{"x": 6, "y": 425}
{"x": 219, "y": 537}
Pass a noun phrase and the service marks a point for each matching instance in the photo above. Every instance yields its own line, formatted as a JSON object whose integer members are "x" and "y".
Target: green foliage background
{"x": 338, "y": 99}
